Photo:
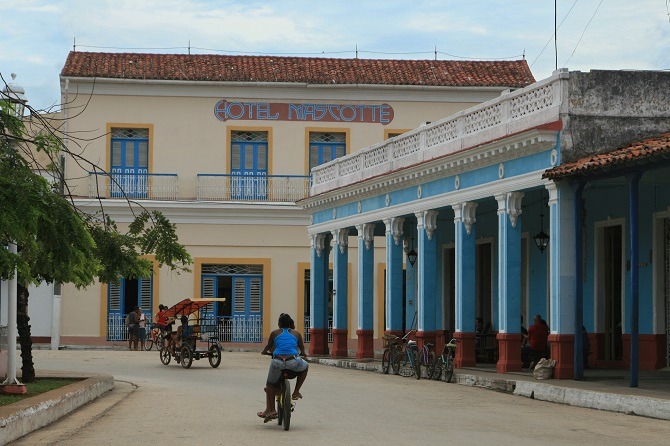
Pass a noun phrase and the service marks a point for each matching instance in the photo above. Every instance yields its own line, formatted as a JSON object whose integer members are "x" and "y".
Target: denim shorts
{"x": 296, "y": 364}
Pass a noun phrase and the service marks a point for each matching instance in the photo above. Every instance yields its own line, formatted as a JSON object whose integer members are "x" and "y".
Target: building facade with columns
{"x": 470, "y": 197}
{"x": 223, "y": 146}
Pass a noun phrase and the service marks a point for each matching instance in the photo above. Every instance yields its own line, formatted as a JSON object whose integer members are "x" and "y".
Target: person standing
{"x": 537, "y": 340}
{"x": 132, "y": 322}
{"x": 142, "y": 324}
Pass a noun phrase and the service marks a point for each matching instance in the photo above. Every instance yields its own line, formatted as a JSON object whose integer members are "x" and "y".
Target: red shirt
{"x": 537, "y": 336}
{"x": 160, "y": 318}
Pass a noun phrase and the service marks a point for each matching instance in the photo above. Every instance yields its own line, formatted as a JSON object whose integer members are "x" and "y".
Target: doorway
{"x": 611, "y": 282}
{"x": 484, "y": 282}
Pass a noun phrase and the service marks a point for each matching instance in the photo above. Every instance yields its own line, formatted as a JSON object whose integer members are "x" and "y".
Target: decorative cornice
{"x": 520, "y": 182}
{"x": 492, "y": 153}
{"x": 428, "y": 220}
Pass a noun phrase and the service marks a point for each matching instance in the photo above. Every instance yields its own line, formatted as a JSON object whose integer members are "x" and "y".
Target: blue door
{"x": 249, "y": 167}
{"x": 130, "y": 162}
{"x": 247, "y": 309}
{"x": 322, "y": 152}
{"x": 122, "y": 298}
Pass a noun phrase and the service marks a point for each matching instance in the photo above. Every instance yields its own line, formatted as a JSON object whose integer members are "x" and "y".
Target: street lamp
{"x": 15, "y": 95}
{"x": 410, "y": 252}
{"x": 541, "y": 238}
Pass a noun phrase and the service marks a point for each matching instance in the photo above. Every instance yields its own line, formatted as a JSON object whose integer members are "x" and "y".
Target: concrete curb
{"x": 19, "y": 419}
{"x": 628, "y": 404}
{"x": 613, "y": 402}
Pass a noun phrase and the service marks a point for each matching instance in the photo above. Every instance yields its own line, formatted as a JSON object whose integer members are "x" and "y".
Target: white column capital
{"x": 366, "y": 232}
{"x": 510, "y": 203}
{"x": 552, "y": 188}
{"x": 394, "y": 227}
{"x": 318, "y": 243}
{"x": 427, "y": 220}
{"x": 341, "y": 238}
{"x": 465, "y": 213}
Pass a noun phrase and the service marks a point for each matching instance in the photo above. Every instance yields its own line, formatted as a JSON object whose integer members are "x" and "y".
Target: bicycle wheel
{"x": 287, "y": 406}
{"x": 386, "y": 361}
{"x": 214, "y": 356}
{"x": 186, "y": 356}
{"x": 418, "y": 359}
{"x": 402, "y": 364}
{"x": 432, "y": 363}
{"x": 449, "y": 369}
{"x": 165, "y": 356}
{"x": 280, "y": 404}
{"x": 148, "y": 342}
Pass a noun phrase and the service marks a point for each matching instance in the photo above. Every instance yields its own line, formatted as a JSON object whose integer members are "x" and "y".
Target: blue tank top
{"x": 285, "y": 344}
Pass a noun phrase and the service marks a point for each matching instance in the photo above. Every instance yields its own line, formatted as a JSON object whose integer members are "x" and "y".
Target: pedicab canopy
{"x": 189, "y": 306}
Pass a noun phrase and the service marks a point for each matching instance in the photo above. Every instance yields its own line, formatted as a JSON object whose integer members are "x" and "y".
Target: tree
{"x": 57, "y": 241}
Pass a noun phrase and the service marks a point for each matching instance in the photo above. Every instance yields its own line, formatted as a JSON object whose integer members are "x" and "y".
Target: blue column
{"x": 394, "y": 274}
{"x": 509, "y": 262}
{"x": 318, "y": 298}
{"x": 464, "y": 220}
{"x": 427, "y": 269}
{"x": 366, "y": 256}
{"x": 318, "y": 293}
{"x": 633, "y": 185}
{"x": 340, "y": 279}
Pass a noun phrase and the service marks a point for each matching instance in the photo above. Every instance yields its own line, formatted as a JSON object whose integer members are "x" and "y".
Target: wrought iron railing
{"x": 226, "y": 329}
{"x": 308, "y": 324}
{"x": 149, "y": 186}
{"x": 263, "y": 188}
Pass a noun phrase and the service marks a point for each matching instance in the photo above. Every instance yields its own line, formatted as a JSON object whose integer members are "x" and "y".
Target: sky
{"x": 37, "y": 35}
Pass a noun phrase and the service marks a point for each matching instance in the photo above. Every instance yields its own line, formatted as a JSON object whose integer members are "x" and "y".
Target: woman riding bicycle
{"x": 284, "y": 344}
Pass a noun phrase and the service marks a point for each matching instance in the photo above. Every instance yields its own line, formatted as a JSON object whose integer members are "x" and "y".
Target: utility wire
{"x": 583, "y": 32}
{"x": 552, "y": 35}
{"x": 189, "y": 48}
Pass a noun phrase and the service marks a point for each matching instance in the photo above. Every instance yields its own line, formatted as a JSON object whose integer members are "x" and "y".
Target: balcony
{"x": 262, "y": 188}
{"x": 147, "y": 186}
{"x": 208, "y": 187}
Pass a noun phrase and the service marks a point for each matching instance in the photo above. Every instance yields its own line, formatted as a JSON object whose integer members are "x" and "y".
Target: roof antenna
{"x": 356, "y": 51}
{"x": 435, "y": 52}
{"x": 189, "y": 47}
{"x": 555, "y": 37}
{"x": 74, "y": 44}
{"x": 524, "y": 54}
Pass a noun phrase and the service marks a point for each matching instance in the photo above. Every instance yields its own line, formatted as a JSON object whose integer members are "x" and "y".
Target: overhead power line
{"x": 583, "y": 32}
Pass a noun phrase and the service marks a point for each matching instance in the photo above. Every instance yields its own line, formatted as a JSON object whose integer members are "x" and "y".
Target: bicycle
{"x": 154, "y": 337}
{"x": 445, "y": 362}
{"x": 425, "y": 357}
{"x": 391, "y": 344}
{"x": 285, "y": 404}
{"x": 404, "y": 360}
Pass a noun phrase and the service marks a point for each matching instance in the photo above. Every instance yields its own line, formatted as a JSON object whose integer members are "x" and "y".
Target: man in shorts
{"x": 288, "y": 350}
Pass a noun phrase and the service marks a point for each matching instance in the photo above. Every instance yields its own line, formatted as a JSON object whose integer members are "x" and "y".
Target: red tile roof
{"x": 206, "y": 67}
{"x": 645, "y": 151}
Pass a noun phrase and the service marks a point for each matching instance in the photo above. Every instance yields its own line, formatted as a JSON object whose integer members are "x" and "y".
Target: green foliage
{"x": 57, "y": 242}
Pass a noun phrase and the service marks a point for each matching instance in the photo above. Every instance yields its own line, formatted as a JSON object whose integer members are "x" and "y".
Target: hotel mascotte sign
{"x": 285, "y": 111}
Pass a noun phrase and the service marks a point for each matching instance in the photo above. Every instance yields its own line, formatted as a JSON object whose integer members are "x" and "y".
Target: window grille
{"x": 130, "y": 133}
{"x": 335, "y": 137}
{"x": 247, "y": 136}
{"x": 225, "y": 270}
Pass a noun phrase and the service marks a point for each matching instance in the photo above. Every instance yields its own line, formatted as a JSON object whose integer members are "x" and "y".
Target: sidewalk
{"x": 601, "y": 389}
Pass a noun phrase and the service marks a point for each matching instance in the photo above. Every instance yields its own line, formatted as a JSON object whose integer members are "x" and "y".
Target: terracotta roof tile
{"x": 207, "y": 67}
{"x": 647, "y": 150}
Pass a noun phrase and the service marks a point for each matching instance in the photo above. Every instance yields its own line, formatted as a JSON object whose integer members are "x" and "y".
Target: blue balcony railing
{"x": 150, "y": 186}
{"x": 263, "y": 188}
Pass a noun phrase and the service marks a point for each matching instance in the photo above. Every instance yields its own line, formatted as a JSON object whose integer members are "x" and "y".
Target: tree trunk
{"x": 22, "y": 319}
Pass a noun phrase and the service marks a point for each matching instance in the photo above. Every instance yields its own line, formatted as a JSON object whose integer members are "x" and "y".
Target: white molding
{"x": 197, "y": 212}
{"x": 318, "y": 243}
{"x": 520, "y": 182}
{"x": 366, "y": 232}
{"x": 514, "y": 209}
{"x": 341, "y": 239}
{"x": 446, "y": 166}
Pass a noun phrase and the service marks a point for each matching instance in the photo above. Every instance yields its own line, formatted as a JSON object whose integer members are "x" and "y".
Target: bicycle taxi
{"x": 201, "y": 340}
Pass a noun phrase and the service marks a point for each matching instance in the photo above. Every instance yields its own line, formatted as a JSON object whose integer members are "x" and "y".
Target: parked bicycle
{"x": 404, "y": 359}
{"x": 425, "y": 357}
{"x": 392, "y": 344}
{"x": 445, "y": 362}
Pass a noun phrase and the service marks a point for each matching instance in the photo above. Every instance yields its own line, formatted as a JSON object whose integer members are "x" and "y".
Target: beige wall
{"x": 187, "y": 139}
